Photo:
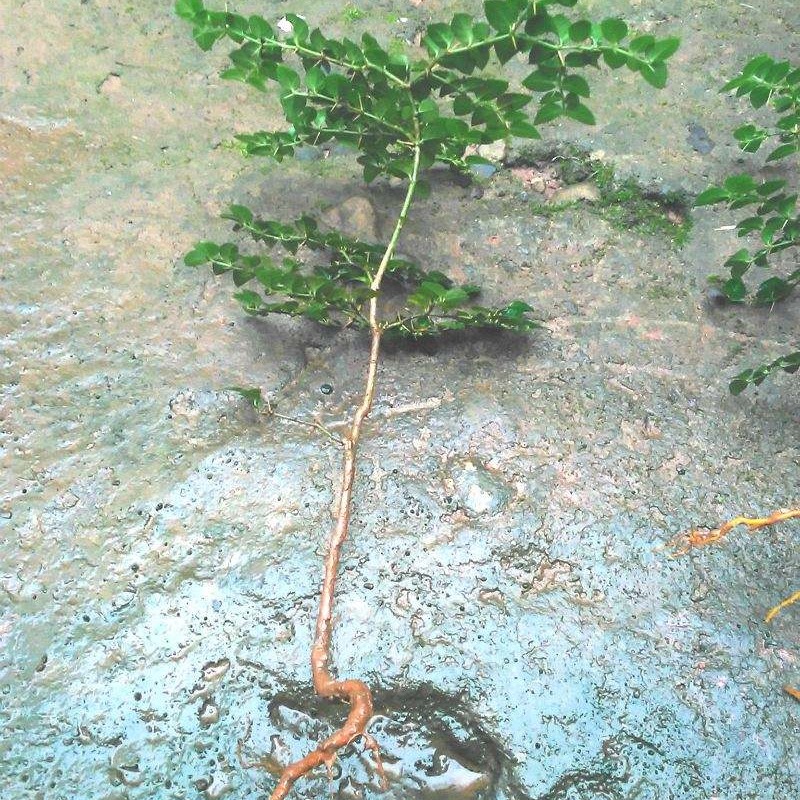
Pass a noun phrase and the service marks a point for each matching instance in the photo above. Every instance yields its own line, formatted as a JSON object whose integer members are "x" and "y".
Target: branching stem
{"x": 354, "y": 691}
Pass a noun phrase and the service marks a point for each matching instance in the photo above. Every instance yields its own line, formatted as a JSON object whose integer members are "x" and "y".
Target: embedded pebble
{"x": 586, "y": 191}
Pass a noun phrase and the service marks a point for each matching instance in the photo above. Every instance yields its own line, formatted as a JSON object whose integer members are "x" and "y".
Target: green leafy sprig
{"x": 386, "y": 103}
{"x": 772, "y": 208}
{"x": 757, "y": 375}
{"x": 335, "y": 293}
{"x": 403, "y": 114}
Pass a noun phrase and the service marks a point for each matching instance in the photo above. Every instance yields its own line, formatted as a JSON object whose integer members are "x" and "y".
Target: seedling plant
{"x": 403, "y": 114}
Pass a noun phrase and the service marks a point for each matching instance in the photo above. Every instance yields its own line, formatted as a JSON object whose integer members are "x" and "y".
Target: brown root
{"x": 773, "y": 612}
{"x": 360, "y": 698}
{"x": 700, "y": 537}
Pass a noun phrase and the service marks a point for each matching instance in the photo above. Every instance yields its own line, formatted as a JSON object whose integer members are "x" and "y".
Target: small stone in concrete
{"x": 699, "y": 139}
{"x": 538, "y": 185}
{"x": 307, "y": 153}
{"x": 112, "y": 84}
{"x": 715, "y": 297}
{"x": 586, "y": 191}
{"x": 479, "y": 491}
{"x": 483, "y": 170}
{"x": 208, "y": 714}
{"x": 496, "y": 151}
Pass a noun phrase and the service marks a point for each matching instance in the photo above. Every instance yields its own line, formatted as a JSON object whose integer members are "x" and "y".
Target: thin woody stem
{"x": 355, "y": 692}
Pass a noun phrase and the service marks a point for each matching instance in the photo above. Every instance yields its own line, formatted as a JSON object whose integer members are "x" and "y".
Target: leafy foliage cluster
{"x": 774, "y": 217}
{"x": 403, "y": 115}
{"x": 335, "y": 293}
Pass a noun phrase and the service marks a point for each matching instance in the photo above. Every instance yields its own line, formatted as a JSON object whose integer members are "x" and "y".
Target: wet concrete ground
{"x": 506, "y": 589}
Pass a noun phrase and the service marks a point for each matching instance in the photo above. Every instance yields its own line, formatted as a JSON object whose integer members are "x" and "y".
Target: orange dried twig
{"x": 699, "y": 537}
{"x": 773, "y": 612}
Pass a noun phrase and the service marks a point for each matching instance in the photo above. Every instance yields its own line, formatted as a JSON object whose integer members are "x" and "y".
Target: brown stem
{"x": 353, "y": 691}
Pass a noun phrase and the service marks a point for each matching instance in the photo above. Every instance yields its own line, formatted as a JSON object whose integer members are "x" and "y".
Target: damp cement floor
{"x": 506, "y": 590}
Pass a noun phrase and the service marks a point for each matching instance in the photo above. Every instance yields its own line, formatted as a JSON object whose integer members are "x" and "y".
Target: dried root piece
{"x": 773, "y": 612}
{"x": 700, "y": 537}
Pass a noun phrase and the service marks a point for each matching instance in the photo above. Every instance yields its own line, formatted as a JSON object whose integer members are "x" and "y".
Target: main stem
{"x": 354, "y": 691}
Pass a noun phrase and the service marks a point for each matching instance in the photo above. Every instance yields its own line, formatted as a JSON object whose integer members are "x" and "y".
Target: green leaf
{"x": 524, "y": 130}
{"x": 711, "y": 195}
{"x": 735, "y": 290}
{"x": 770, "y": 187}
{"x": 738, "y": 385}
{"x": 740, "y": 257}
{"x": 260, "y": 28}
{"x": 576, "y": 84}
{"x": 202, "y": 253}
{"x": 642, "y": 45}
{"x": 253, "y": 396}
{"x": 739, "y": 184}
{"x": 189, "y": 9}
{"x": 505, "y": 50}
{"x": 782, "y": 151}
{"x": 548, "y": 112}
{"x": 462, "y": 105}
{"x": 462, "y": 28}
{"x": 665, "y": 48}
{"x": 206, "y": 37}
{"x": 773, "y": 290}
{"x": 759, "y": 96}
{"x": 499, "y": 15}
{"x": 749, "y": 225}
{"x": 239, "y": 214}
{"x": 580, "y": 31}
{"x": 581, "y": 113}
{"x": 288, "y": 79}
{"x": 299, "y": 28}
{"x": 540, "y": 81}
{"x": 655, "y": 75}
{"x": 517, "y": 308}
{"x": 250, "y": 301}
{"x": 613, "y": 30}
{"x": 614, "y": 59}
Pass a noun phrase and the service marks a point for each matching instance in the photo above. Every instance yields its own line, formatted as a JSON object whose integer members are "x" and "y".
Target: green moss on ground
{"x": 624, "y": 203}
